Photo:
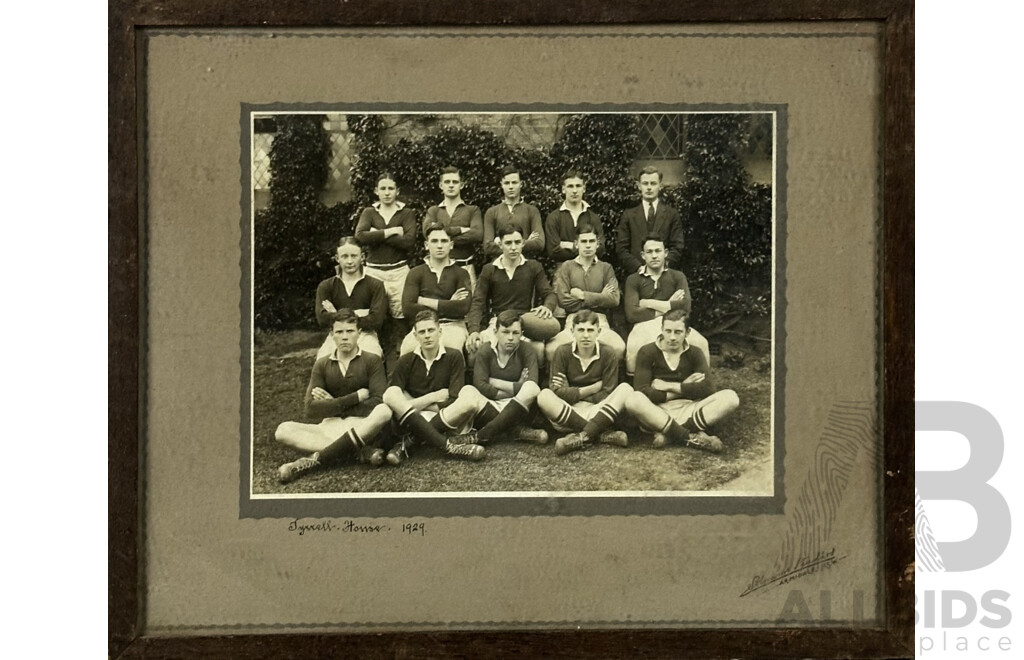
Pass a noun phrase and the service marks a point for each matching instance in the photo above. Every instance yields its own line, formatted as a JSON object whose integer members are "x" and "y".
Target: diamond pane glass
{"x": 661, "y": 137}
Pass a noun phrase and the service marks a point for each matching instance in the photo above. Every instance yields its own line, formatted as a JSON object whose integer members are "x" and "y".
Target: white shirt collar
{"x": 498, "y": 263}
{"x": 443, "y": 203}
{"x": 426, "y": 260}
{"x": 348, "y": 290}
{"x": 398, "y": 205}
{"x": 341, "y": 367}
{"x": 577, "y": 260}
{"x": 587, "y": 363}
{"x": 497, "y": 355}
{"x": 419, "y": 351}
{"x": 583, "y": 203}
{"x": 359, "y": 351}
{"x": 647, "y": 272}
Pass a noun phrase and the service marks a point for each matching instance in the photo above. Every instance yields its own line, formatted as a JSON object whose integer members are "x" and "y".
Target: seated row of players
{"x": 672, "y": 396}
{"x": 510, "y": 283}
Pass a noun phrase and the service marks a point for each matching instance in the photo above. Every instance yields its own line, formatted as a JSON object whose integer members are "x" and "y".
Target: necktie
{"x": 650, "y": 211}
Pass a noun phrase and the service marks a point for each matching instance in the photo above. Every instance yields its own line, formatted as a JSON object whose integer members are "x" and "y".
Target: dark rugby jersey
{"x": 368, "y": 293}
{"x": 651, "y": 364}
{"x": 487, "y": 367}
{"x": 524, "y": 217}
{"x": 559, "y": 227}
{"x": 416, "y": 378}
{"x": 495, "y": 292}
{"x": 640, "y": 286}
{"x": 365, "y": 370}
{"x": 382, "y": 251}
{"x": 464, "y": 244}
{"x": 422, "y": 281}
{"x": 603, "y": 368}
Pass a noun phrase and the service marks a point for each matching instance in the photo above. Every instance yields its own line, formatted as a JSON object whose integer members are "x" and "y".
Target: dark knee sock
{"x": 600, "y": 422}
{"x": 697, "y": 421}
{"x": 485, "y": 416}
{"x": 347, "y": 444}
{"x": 423, "y": 430}
{"x": 571, "y": 419}
{"x": 513, "y": 415}
{"x": 675, "y": 432}
{"x": 438, "y": 425}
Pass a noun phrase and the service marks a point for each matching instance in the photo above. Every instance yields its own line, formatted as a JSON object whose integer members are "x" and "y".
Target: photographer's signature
{"x": 822, "y": 560}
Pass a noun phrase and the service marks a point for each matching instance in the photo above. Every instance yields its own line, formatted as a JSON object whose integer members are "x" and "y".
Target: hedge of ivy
{"x": 727, "y": 217}
{"x": 294, "y": 234}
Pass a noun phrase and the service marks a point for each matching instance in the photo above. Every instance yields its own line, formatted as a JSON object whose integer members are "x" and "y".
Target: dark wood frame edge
{"x": 125, "y": 339}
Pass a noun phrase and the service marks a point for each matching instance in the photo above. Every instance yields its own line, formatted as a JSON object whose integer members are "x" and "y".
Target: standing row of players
{"x": 514, "y": 297}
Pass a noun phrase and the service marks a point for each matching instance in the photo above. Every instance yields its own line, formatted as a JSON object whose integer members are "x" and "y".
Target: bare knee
{"x": 730, "y": 399}
{"x": 530, "y": 390}
{"x": 284, "y": 429}
{"x": 623, "y": 390}
{"x": 380, "y": 413}
{"x": 547, "y": 399}
{"x": 394, "y": 398}
{"x": 637, "y": 400}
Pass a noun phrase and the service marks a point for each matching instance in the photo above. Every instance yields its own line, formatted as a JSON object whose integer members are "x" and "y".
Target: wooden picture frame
{"x": 127, "y": 344}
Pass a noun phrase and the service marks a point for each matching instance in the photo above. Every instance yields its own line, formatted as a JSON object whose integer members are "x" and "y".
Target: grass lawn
{"x": 282, "y": 363}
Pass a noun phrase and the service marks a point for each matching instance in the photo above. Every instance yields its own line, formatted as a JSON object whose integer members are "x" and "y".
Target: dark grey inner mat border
{"x": 439, "y": 505}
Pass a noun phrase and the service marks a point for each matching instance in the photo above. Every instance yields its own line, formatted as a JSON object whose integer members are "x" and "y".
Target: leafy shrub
{"x": 727, "y": 222}
{"x": 295, "y": 234}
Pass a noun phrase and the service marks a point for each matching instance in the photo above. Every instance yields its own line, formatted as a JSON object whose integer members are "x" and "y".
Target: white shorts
{"x": 680, "y": 410}
{"x": 336, "y": 426}
{"x": 466, "y": 426}
{"x": 394, "y": 285}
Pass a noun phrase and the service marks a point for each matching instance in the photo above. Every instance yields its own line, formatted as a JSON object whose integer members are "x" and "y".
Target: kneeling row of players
{"x": 672, "y": 395}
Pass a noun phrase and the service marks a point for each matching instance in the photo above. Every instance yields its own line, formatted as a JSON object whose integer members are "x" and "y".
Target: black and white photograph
{"x": 524, "y": 304}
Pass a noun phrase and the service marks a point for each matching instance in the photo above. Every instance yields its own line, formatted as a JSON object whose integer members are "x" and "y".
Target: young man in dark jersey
{"x": 650, "y": 294}
{"x": 351, "y": 288}
{"x": 513, "y": 211}
{"x": 345, "y": 390}
{"x": 504, "y": 388}
{"x": 423, "y": 385}
{"x": 674, "y": 395}
{"x": 585, "y": 397}
{"x": 462, "y": 221}
{"x": 512, "y": 282}
{"x": 438, "y": 284}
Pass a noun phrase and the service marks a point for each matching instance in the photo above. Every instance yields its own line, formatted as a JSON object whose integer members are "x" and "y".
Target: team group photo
{"x": 513, "y": 302}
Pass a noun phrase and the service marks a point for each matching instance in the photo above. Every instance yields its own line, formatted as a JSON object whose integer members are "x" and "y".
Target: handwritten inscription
{"x": 303, "y": 526}
{"x": 821, "y": 561}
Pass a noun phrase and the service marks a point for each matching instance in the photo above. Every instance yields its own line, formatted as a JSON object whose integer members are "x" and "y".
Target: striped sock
{"x": 602, "y": 420}
{"x": 570, "y": 419}
{"x": 348, "y": 443}
{"x": 696, "y": 422}
{"x": 675, "y": 432}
